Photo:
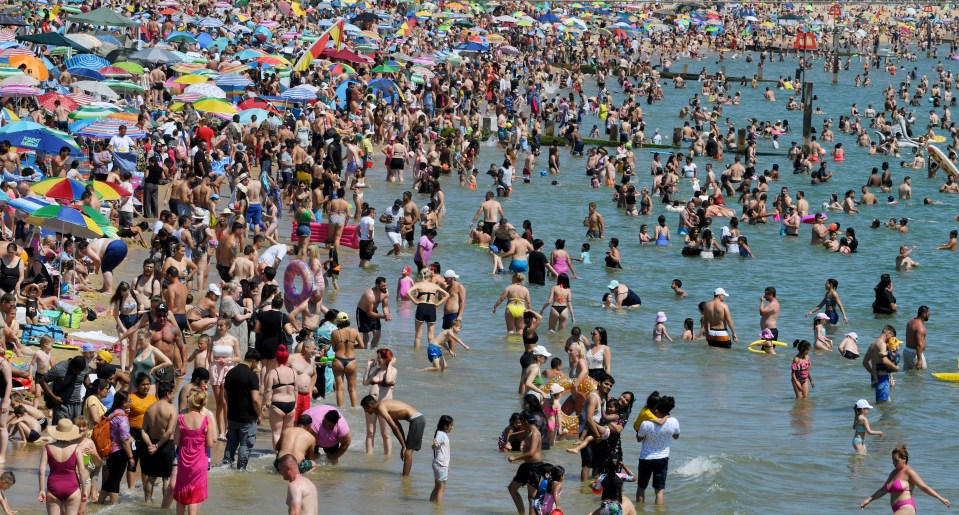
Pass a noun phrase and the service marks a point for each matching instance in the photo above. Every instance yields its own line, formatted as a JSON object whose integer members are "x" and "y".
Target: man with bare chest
{"x": 367, "y": 317}
{"x": 311, "y": 312}
{"x": 302, "y": 363}
{"x": 169, "y": 339}
{"x": 226, "y": 250}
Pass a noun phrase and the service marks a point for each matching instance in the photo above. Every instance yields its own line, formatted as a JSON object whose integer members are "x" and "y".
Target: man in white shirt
{"x": 367, "y": 248}
{"x": 121, "y": 142}
{"x": 654, "y": 457}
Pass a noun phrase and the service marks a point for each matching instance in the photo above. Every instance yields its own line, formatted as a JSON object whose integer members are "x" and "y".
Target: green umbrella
{"x": 96, "y": 216}
{"x": 91, "y": 112}
{"x": 123, "y": 85}
{"x": 385, "y": 68}
{"x": 130, "y": 67}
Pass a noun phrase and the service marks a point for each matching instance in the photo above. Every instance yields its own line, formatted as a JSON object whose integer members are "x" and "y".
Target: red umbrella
{"x": 47, "y": 101}
{"x": 346, "y": 55}
{"x": 256, "y": 103}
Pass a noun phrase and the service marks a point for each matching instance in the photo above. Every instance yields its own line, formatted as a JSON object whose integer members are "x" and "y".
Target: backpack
{"x": 101, "y": 436}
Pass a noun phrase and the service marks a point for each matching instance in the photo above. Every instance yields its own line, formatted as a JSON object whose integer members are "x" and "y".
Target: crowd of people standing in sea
{"x": 208, "y": 186}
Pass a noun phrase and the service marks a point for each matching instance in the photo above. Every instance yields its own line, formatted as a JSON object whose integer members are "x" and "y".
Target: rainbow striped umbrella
{"x": 65, "y": 220}
{"x": 109, "y": 190}
{"x": 61, "y": 188}
{"x": 109, "y": 127}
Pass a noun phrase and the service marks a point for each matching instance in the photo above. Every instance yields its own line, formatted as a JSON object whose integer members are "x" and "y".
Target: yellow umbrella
{"x": 191, "y": 79}
{"x": 297, "y": 10}
{"x": 215, "y": 106}
{"x": 495, "y": 38}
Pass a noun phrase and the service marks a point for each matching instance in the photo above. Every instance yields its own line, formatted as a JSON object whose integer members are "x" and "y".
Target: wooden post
{"x": 677, "y": 137}
{"x": 487, "y": 124}
{"x": 614, "y": 133}
{"x": 761, "y": 72}
{"x": 550, "y": 129}
{"x": 685, "y": 70}
{"x": 741, "y": 140}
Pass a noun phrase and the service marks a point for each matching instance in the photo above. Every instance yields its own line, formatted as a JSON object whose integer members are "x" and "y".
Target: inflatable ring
{"x": 587, "y": 386}
{"x": 564, "y": 382}
{"x": 753, "y": 347}
{"x": 292, "y": 296}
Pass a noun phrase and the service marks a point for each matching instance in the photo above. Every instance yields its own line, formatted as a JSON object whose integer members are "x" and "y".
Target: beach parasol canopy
{"x": 106, "y": 128}
{"x": 97, "y": 88}
{"x": 109, "y": 190}
{"x": 21, "y": 79}
{"x": 61, "y": 188}
{"x": 206, "y": 90}
{"x": 48, "y": 101}
{"x": 155, "y": 55}
{"x": 53, "y": 39}
{"x": 86, "y": 73}
{"x": 104, "y": 17}
{"x": 214, "y": 106}
{"x": 65, "y": 220}
{"x": 130, "y": 67}
{"x": 299, "y": 94}
{"x": 9, "y": 21}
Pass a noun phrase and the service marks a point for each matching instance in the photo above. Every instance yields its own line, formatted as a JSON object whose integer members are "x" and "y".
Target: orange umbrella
{"x": 35, "y": 66}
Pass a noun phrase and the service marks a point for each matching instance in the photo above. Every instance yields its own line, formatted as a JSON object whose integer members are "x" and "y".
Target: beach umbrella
{"x": 214, "y": 106}
{"x": 61, "y": 188}
{"x": 384, "y": 68}
{"x": 211, "y": 23}
{"x": 52, "y": 39}
{"x": 155, "y": 56}
{"x": 206, "y": 90}
{"x": 340, "y": 68}
{"x": 9, "y": 71}
{"x": 233, "y": 81}
{"x": 34, "y": 65}
{"x": 92, "y": 112}
{"x": 123, "y": 85}
{"x": 130, "y": 67}
{"x": 104, "y": 17}
{"x": 93, "y": 62}
{"x": 97, "y": 217}
{"x": 471, "y": 47}
{"x": 180, "y": 36}
{"x": 246, "y": 116}
{"x": 106, "y": 128}
{"x": 114, "y": 71}
{"x": 191, "y": 79}
{"x": 48, "y": 101}
{"x": 97, "y": 88}
{"x": 86, "y": 73}
{"x": 19, "y": 90}
{"x": 106, "y": 38}
{"x": 65, "y": 220}
{"x": 21, "y": 79}
{"x": 299, "y": 94}
{"x": 107, "y": 190}
{"x": 9, "y": 21}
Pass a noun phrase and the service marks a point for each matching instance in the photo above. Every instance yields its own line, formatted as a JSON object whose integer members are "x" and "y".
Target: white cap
{"x": 863, "y": 404}
{"x": 450, "y": 274}
{"x": 612, "y": 284}
{"x": 822, "y": 316}
{"x": 212, "y": 288}
{"x": 720, "y": 291}
{"x": 539, "y": 350}
{"x": 853, "y": 335}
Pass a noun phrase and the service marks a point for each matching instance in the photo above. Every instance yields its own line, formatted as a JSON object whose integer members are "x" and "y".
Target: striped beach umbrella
{"x": 207, "y": 90}
{"x": 81, "y": 99}
{"x": 114, "y": 72}
{"x": 65, "y": 220}
{"x": 299, "y": 94}
{"x": 233, "y": 80}
{"x": 91, "y": 112}
{"x": 109, "y": 190}
{"x": 211, "y": 23}
{"x": 123, "y": 85}
{"x": 93, "y": 62}
{"x": 21, "y": 80}
{"x": 19, "y": 90}
{"x": 61, "y": 188}
{"x": 9, "y": 71}
{"x": 107, "y": 128}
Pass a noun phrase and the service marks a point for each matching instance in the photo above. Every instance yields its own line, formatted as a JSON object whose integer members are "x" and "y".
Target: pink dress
{"x": 191, "y": 476}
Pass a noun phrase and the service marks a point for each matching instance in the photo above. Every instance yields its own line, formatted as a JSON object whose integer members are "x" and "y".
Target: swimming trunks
{"x": 433, "y": 352}
{"x": 114, "y": 254}
{"x": 718, "y": 339}
{"x": 365, "y": 323}
{"x": 448, "y": 319}
{"x": 414, "y": 435}
{"x": 518, "y": 266}
{"x": 254, "y": 213}
{"x": 849, "y": 355}
{"x": 304, "y": 466}
{"x": 426, "y": 313}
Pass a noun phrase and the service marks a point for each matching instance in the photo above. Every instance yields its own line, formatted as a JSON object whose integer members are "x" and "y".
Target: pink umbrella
{"x": 114, "y": 71}
{"x": 19, "y": 90}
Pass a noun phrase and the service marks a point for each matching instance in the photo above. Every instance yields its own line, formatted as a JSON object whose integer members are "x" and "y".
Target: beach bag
{"x": 31, "y": 332}
{"x": 101, "y": 436}
{"x": 71, "y": 320}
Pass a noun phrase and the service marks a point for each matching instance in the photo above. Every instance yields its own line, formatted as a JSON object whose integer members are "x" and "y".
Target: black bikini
{"x": 285, "y": 407}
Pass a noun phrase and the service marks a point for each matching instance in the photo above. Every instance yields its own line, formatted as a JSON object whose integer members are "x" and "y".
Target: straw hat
{"x": 65, "y": 431}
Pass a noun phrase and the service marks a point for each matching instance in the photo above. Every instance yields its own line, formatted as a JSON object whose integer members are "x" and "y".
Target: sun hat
{"x": 65, "y": 431}
{"x": 766, "y": 334}
{"x": 660, "y": 317}
{"x": 853, "y": 335}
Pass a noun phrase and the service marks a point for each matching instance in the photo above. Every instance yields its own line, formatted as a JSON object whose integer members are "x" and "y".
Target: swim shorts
{"x": 365, "y": 323}
{"x": 414, "y": 435}
{"x": 518, "y": 265}
{"x": 655, "y": 468}
{"x": 718, "y": 339}
{"x": 448, "y": 319}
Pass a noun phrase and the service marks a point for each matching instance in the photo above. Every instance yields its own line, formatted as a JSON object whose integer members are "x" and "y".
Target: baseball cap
{"x": 450, "y": 274}
{"x": 87, "y": 347}
{"x": 212, "y": 288}
{"x": 853, "y": 335}
{"x": 612, "y": 284}
{"x": 720, "y": 291}
{"x": 556, "y": 388}
{"x": 863, "y": 404}
{"x": 397, "y": 202}
{"x": 539, "y": 350}
{"x": 342, "y": 316}
{"x": 822, "y": 316}
{"x": 162, "y": 307}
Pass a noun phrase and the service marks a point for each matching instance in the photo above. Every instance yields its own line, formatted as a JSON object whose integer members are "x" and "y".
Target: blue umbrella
{"x": 386, "y": 88}
{"x": 549, "y": 18}
{"x": 204, "y": 40}
{"x": 86, "y": 73}
{"x": 33, "y": 136}
{"x": 211, "y": 23}
{"x": 246, "y": 115}
{"x": 472, "y": 46}
{"x": 299, "y": 94}
{"x": 94, "y": 62}
{"x": 233, "y": 79}
{"x": 106, "y": 38}
{"x": 341, "y": 92}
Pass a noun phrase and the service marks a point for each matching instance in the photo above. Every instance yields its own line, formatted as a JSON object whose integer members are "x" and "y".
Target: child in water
{"x": 766, "y": 342}
{"x": 404, "y": 284}
{"x": 688, "y": 329}
{"x": 498, "y": 267}
{"x": 801, "y": 377}
{"x": 860, "y": 424}
{"x": 659, "y": 330}
{"x": 549, "y": 490}
{"x": 677, "y": 287}
{"x": 583, "y": 255}
{"x": 435, "y": 353}
{"x": 585, "y": 438}
{"x": 441, "y": 457}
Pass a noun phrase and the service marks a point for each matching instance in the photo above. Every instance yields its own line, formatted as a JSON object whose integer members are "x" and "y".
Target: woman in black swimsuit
{"x": 11, "y": 270}
{"x": 427, "y": 296}
{"x": 280, "y": 387}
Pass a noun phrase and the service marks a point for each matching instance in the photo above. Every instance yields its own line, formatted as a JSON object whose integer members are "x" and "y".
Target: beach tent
{"x": 103, "y": 17}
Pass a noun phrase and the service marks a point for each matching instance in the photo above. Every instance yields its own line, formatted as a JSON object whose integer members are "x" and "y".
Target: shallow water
{"x": 748, "y": 446}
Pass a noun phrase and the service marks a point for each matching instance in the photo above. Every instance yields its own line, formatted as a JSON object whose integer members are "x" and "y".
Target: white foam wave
{"x": 699, "y": 466}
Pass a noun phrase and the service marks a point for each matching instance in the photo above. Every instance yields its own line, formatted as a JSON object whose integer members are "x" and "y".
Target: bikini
{"x": 896, "y": 488}
{"x": 858, "y": 440}
{"x": 285, "y": 407}
{"x": 62, "y": 482}
{"x": 516, "y": 308}
{"x": 347, "y": 361}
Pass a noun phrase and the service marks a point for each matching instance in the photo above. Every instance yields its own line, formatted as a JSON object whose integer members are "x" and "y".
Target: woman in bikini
{"x": 900, "y": 484}
{"x": 204, "y": 314}
{"x": 427, "y": 296}
{"x": 381, "y": 377}
{"x": 561, "y": 298}
{"x": 126, "y": 310}
{"x": 518, "y": 303}
{"x": 280, "y": 385}
{"x": 345, "y": 340}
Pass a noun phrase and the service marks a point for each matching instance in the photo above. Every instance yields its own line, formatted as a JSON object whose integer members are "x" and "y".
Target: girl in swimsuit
{"x": 561, "y": 298}
{"x": 224, "y": 356}
{"x": 662, "y": 232}
{"x": 345, "y": 340}
{"x": 819, "y": 332}
{"x": 126, "y": 313}
{"x": 204, "y": 314}
{"x": 282, "y": 390}
{"x": 560, "y": 259}
{"x": 519, "y": 302}
{"x": 404, "y": 284}
{"x": 860, "y": 425}
{"x": 801, "y": 378}
{"x": 381, "y": 377}
{"x": 659, "y": 330}
{"x": 900, "y": 484}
